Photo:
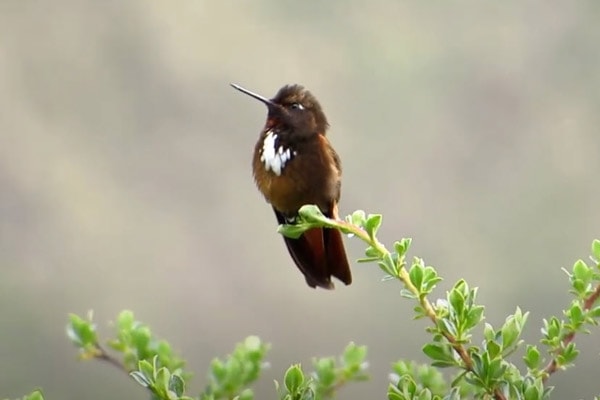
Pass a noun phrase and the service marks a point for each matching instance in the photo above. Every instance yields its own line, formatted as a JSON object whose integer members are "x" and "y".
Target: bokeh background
{"x": 125, "y": 176}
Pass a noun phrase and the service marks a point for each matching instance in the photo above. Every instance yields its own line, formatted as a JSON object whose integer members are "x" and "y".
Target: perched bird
{"x": 293, "y": 165}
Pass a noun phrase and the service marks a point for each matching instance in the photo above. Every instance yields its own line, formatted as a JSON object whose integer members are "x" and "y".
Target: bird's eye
{"x": 296, "y": 106}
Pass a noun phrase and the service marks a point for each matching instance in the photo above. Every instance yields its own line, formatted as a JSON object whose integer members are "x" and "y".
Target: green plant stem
{"x": 334, "y": 388}
{"x": 423, "y": 301}
{"x": 553, "y": 365}
{"x": 104, "y": 356}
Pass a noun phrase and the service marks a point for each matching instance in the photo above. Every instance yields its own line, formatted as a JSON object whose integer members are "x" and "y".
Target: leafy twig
{"x": 365, "y": 228}
{"x": 554, "y": 365}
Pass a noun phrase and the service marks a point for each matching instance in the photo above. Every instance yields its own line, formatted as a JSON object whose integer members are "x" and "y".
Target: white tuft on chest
{"x": 274, "y": 156}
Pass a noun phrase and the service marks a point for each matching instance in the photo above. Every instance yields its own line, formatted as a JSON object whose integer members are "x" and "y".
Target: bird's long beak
{"x": 258, "y": 97}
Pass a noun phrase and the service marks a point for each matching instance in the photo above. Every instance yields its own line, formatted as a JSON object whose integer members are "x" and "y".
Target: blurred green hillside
{"x": 125, "y": 176}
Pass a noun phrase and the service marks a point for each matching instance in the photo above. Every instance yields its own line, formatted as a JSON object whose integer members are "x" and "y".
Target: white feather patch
{"x": 274, "y": 158}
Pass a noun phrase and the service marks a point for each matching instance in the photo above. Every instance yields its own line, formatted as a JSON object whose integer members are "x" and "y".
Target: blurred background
{"x": 125, "y": 177}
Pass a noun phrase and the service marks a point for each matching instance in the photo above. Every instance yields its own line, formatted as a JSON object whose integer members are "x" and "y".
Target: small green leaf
{"x": 247, "y": 394}
{"x": 532, "y": 357}
{"x": 146, "y": 369}
{"x": 488, "y": 332}
{"x": 509, "y": 333}
{"x": 177, "y": 385}
{"x": 325, "y": 370}
{"x": 405, "y": 389}
{"x": 579, "y": 286}
{"x": 595, "y": 312}
{"x": 294, "y": 378}
{"x": 253, "y": 344}
{"x": 402, "y": 246}
{"x": 575, "y": 315}
{"x": 140, "y": 339}
{"x": 372, "y": 252}
{"x": 81, "y": 332}
{"x": 372, "y": 224}
{"x": 36, "y": 395}
{"x": 456, "y": 300}
{"x": 445, "y": 325}
{"x": 493, "y": 348}
{"x": 416, "y": 276}
{"x": 367, "y": 259}
{"x": 218, "y": 370}
{"x": 480, "y": 363}
{"x": 140, "y": 378}
{"x": 454, "y": 394}
{"x": 533, "y": 389}
{"x": 312, "y": 213}
{"x": 582, "y": 271}
{"x": 358, "y": 218}
{"x": 125, "y": 320}
{"x": 569, "y": 354}
{"x": 234, "y": 367}
{"x": 424, "y": 394}
{"x": 551, "y": 329}
{"x": 393, "y": 394}
{"x": 495, "y": 370}
{"x": 474, "y": 317}
{"x": 354, "y": 355}
{"x": 441, "y": 353}
{"x": 293, "y": 231}
{"x": 161, "y": 383}
{"x": 388, "y": 265}
{"x": 596, "y": 250}
{"x": 430, "y": 280}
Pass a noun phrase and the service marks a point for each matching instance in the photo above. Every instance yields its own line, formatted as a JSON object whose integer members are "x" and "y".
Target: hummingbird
{"x": 294, "y": 164}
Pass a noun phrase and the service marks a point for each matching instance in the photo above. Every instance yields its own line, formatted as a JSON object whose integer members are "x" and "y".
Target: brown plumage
{"x": 293, "y": 165}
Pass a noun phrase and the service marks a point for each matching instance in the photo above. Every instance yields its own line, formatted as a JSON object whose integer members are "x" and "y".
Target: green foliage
{"x": 163, "y": 383}
{"x": 410, "y": 379}
{"x": 82, "y": 333}
{"x": 231, "y": 377}
{"x": 485, "y": 369}
{"x": 482, "y": 371}
{"x": 134, "y": 342}
{"x": 328, "y": 376}
{"x": 36, "y": 395}
{"x": 153, "y": 365}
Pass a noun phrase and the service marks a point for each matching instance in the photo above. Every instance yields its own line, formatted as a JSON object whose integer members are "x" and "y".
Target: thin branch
{"x": 104, "y": 356}
{"x": 553, "y": 365}
{"x": 425, "y": 304}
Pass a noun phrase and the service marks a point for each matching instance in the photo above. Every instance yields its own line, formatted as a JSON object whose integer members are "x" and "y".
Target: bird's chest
{"x": 274, "y": 152}
{"x": 290, "y": 175}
